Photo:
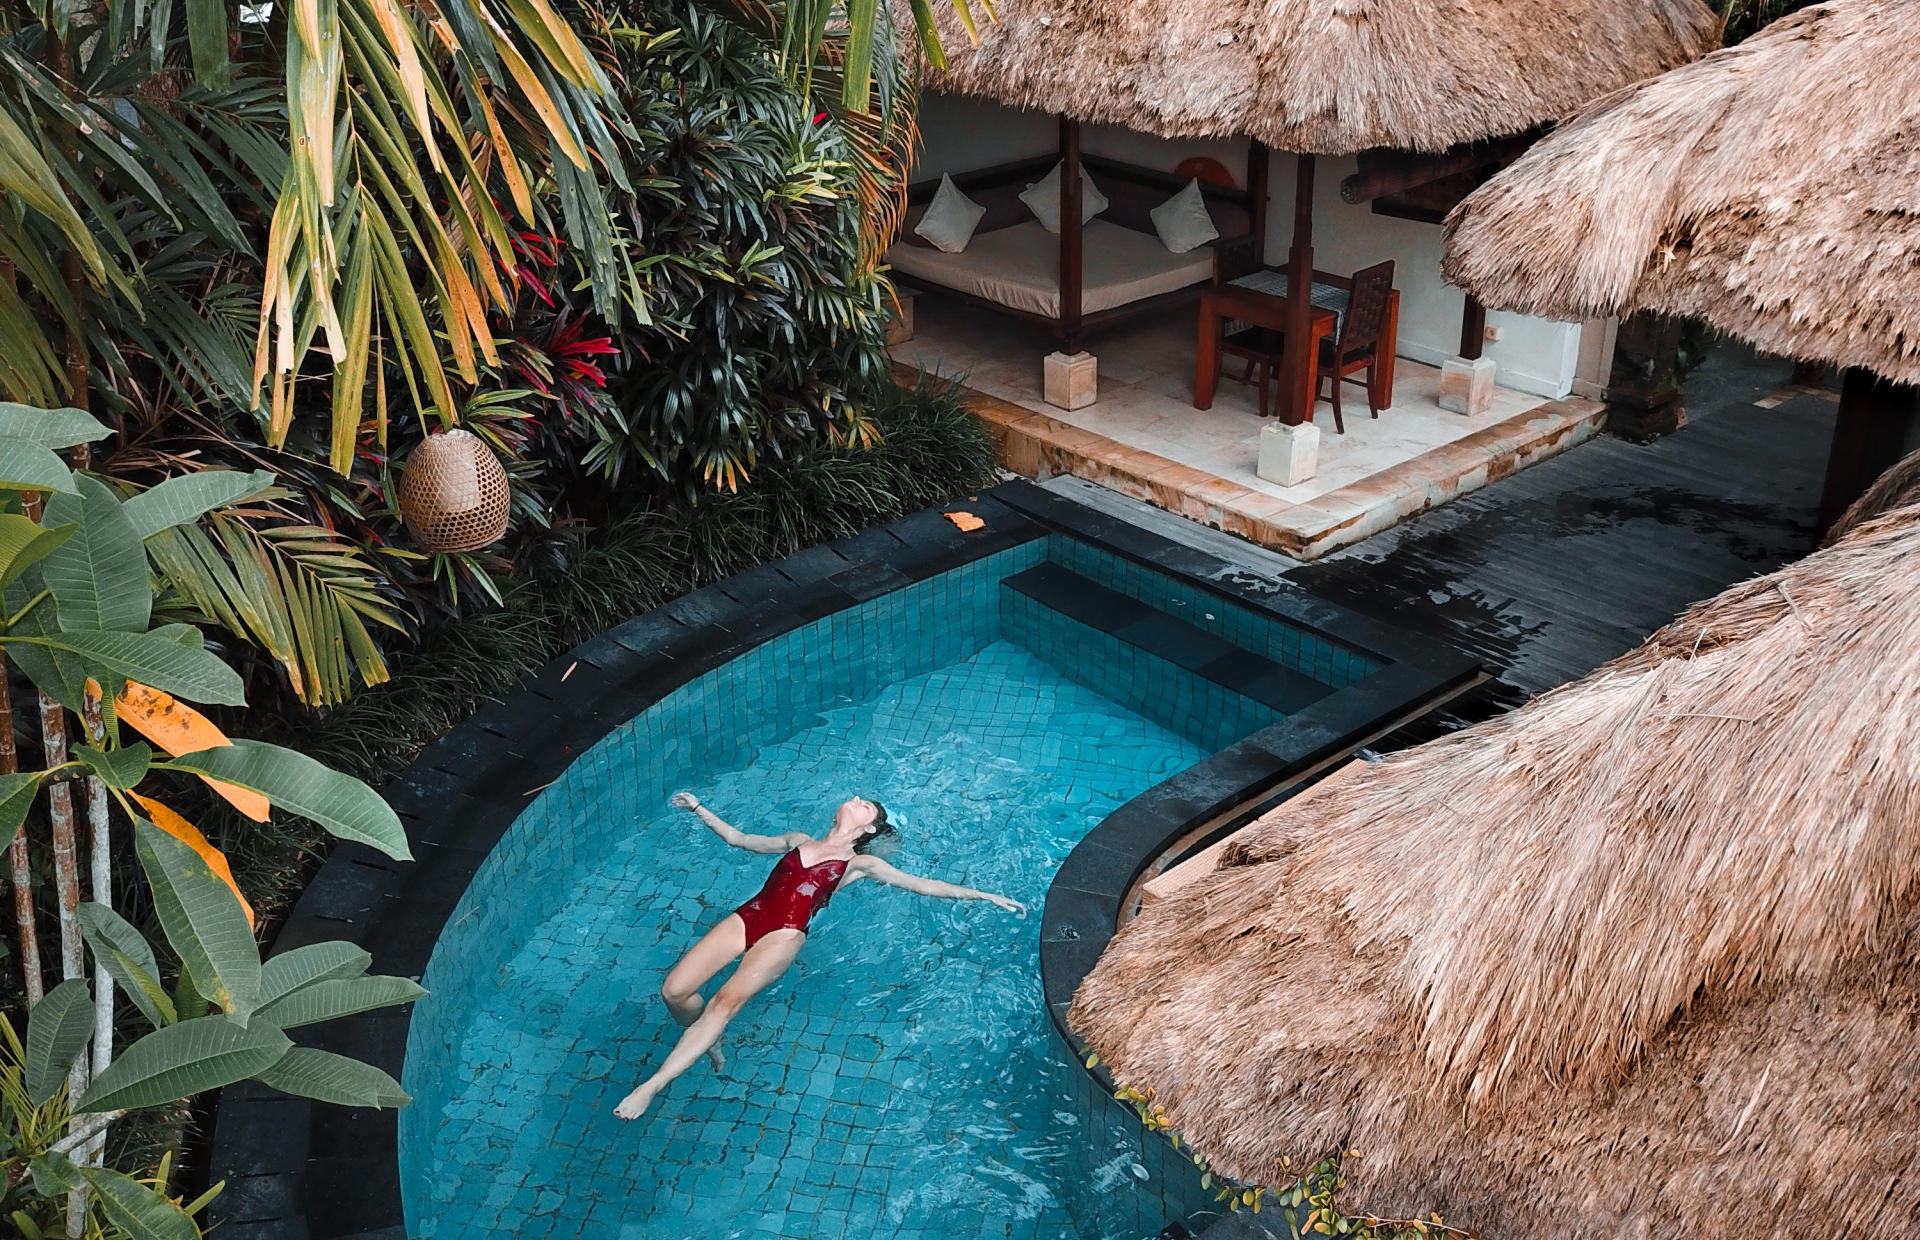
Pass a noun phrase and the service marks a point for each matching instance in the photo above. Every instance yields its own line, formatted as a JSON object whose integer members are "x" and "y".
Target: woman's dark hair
{"x": 881, "y": 828}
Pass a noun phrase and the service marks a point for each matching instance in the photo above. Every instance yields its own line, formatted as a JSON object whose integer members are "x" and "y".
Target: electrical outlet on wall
{"x": 1492, "y": 333}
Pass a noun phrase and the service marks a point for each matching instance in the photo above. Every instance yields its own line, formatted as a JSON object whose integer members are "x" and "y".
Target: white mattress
{"x": 1019, "y": 267}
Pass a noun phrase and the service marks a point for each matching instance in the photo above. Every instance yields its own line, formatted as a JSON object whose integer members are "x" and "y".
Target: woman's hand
{"x": 1001, "y": 902}
{"x": 685, "y": 800}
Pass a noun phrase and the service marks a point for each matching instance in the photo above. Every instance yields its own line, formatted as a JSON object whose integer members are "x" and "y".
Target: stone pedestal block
{"x": 900, "y": 324}
{"x": 1072, "y": 382}
{"x": 1467, "y": 386}
{"x": 1289, "y": 455}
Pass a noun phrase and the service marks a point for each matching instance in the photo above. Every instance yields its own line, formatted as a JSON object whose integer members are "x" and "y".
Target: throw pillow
{"x": 1043, "y": 199}
{"x": 950, "y": 219}
{"x": 1183, "y": 221}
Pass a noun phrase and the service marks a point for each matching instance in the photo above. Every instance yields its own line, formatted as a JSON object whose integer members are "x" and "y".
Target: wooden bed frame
{"x": 1233, "y": 255}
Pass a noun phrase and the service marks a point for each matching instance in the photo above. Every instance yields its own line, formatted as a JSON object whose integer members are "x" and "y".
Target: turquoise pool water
{"x": 901, "y": 1081}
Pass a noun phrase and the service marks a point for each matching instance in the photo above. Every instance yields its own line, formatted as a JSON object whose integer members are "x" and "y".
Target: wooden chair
{"x": 1262, "y": 349}
{"x": 1356, "y": 346}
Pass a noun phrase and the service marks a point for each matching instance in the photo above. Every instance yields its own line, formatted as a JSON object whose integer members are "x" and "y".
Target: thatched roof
{"x": 1772, "y": 189}
{"x": 1636, "y": 959}
{"x": 1324, "y": 76}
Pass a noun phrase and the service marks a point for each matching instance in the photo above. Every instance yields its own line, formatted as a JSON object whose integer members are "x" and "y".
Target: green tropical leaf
{"x": 308, "y": 1073}
{"x": 189, "y": 497}
{"x": 17, "y": 792}
{"x": 129, "y": 957}
{"x": 203, "y": 921}
{"x": 337, "y": 997}
{"x": 24, "y": 542}
{"x": 55, "y": 673}
{"x": 120, "y": 768}
{"x": 98, "y": 576}
{"x": 294, "y": 782}
{"x": 30, "y": 467}
{"x": 58, "y": 1030}
{"x": 299, "y": 592}
{"x": 182, "y": 1060}
{"x": 140, "y": 1211}
{"x": 50, "y": 428}
{"x": 316, "y": 962}
{"x": 156, "y": 659}
{"x": 54, "y": 1174}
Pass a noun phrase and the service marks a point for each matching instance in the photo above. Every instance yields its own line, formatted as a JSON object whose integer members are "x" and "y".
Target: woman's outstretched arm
{"x": 880, "y": 872}
{"x": 733, "y": 835}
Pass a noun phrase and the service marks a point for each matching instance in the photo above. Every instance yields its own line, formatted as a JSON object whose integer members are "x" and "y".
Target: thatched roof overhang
{"x": 1771, "y": 189}
{"x": 1328, "y": 77}
{"x": 1636, "y": 959}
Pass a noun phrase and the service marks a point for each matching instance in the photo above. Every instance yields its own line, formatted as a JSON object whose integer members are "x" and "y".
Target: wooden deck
{"x": 1551, "y": 571}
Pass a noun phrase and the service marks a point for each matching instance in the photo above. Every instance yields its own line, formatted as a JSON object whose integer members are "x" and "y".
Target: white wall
{"x": 1534, "y": 355}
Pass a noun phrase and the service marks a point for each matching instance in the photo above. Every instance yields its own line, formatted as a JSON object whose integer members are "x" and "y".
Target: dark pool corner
{"x": 296, "y": 1170}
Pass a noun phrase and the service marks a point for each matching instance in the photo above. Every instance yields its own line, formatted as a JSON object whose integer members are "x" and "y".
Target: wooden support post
{"x": 1643, "y": 392}
{"x": 1071, "y": 235}
{"x": 1297, "y": 372}
{"x": 1258, "y": 157}
{"x": 1473, "y": 329}
{"x": 1877, "y": 420}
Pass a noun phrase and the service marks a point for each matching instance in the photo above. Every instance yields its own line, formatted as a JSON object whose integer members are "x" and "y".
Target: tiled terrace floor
{"x": 1144, "y": 438}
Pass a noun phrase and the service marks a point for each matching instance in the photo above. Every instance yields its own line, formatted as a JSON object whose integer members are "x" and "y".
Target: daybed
{"x": 1117, "y": 266}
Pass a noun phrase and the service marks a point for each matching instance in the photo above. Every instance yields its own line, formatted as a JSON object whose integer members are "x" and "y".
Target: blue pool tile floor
{"x": 897, "y": 1084}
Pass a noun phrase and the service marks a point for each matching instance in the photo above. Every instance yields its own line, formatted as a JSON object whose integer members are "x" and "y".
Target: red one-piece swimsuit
{"x": 794, "y": 892}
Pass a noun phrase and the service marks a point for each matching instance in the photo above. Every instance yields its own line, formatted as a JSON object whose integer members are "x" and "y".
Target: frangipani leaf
{"x": 316, "y": 962}
{"x": 16, "y": 798}
{"x": 189, "y": 497}
{"x": 99, "y": 575}
{"x": 180, "y": 829}
{"x": 30, "y": 467}
{"x": 50, "y": 428}
{"x": 337, "y": 997}
{"x": 129, "y": 957}
{"x": 204, "y": 920}
{"x": 23, "y": 543}
{"x": 178, "y": 728}
{"x": 156, "y": 658}
{"x": 138, "y": 1210}
{"x": 308, "y": 1073}
{"x": 120, "y": 768}
{"x": 296, "y": 783}
{"x": 182, "y": 1060}
{"x": 58, "y": 1030}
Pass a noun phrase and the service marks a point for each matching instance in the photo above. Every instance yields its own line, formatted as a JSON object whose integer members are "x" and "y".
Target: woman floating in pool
{"x": 767, "y": 931}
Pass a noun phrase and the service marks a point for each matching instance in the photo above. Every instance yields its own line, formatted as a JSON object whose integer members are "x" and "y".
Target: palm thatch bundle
{"x": 1772, "y": 189}
{"x": 1636, "y": 959}
{"x": 1326, "y": 77}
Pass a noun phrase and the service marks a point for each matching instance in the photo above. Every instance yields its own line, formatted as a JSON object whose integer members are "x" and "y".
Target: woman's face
{"x": 857, "y": 814}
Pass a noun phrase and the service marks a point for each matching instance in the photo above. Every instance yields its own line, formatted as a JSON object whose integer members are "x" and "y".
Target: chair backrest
{"x": 1366, "y": 308}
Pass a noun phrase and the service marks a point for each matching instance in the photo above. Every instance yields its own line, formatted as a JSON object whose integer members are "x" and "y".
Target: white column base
{"x": 1071, "y": 382}
{"x": 1289, "y": 455}
{"x": 1467, "y": 386}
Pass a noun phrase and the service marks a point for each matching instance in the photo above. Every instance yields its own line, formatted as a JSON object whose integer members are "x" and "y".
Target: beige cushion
{"x": 950, "y": 219}
{"x": 1043, "y": 199}
{"x": 1183, "y": 221}
{"x": 1019, "y": 267}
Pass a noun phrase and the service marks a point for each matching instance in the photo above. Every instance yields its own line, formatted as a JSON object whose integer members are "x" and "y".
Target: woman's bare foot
{"x": 715, "y": 1058}
{"x": 635, "y": 1104}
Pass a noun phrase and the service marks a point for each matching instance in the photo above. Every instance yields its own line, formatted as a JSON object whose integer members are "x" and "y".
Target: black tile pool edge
{"x": 298, "y": 1170}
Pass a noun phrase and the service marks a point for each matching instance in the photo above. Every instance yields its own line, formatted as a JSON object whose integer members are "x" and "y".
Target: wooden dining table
{"x": 1228, "y": 302}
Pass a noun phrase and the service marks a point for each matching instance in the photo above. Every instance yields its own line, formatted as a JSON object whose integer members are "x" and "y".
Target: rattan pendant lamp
{"x": 453, "y": 493}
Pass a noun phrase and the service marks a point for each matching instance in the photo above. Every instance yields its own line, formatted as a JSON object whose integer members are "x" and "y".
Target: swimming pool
{"x": 537, "y": 827}
{"x": 901, "y": 1081}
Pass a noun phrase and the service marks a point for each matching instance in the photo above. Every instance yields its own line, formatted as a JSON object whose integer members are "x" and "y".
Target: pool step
{"x": 1185, "y": 645}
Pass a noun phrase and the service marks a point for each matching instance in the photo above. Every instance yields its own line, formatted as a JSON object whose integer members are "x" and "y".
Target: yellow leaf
{"x": 188, "y": 834}
{"x": 967, "y": 522}
{"x": 178, "y": 728}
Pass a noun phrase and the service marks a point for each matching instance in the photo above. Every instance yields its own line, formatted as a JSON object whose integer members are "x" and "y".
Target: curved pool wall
{"x": 298, "y": 1169}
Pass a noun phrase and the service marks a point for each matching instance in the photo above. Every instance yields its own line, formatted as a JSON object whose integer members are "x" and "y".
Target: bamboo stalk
{"x": 26, "y": 932}
{"x": 100, "y": 863}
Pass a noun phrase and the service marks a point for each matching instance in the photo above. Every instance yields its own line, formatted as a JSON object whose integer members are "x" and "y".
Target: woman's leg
{"x": 681, "y": 989}
{"x": 763, "y": 964}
